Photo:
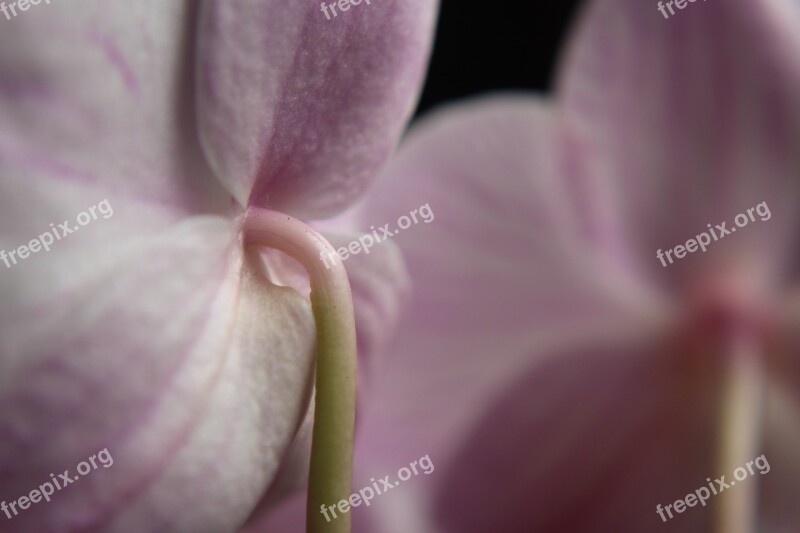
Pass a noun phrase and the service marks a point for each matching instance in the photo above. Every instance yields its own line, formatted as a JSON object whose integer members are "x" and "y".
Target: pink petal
{"x": 507, "y": 225}
{"x": 593, "y": 439}
{"x": 381, "y": 286}
{"x": 96, "y": 105}
{"x": 298, "y": 112}
{"x": 782, "y": 431}
{"x": 131, "y": 334}
{"x": 508, "y": 267}
{"x": 689, "y": 121}
{"x": 157, "y": 353}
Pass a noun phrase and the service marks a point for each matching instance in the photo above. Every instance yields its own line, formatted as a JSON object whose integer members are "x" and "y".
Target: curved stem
{"x": 330, "y": 475}
{"x": 739, "y": 436}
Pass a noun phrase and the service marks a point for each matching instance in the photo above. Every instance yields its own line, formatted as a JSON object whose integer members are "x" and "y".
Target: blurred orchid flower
{"x": 560, "y": 377}
{"x": 152, "y": 333}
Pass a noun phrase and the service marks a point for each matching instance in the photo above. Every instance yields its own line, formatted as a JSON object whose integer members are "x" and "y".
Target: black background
{"x": 484, "y": 46}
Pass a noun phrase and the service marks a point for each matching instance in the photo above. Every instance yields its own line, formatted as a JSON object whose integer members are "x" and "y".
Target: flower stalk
{"x": 739, "y": 435}
{"x": 330, "y": 474}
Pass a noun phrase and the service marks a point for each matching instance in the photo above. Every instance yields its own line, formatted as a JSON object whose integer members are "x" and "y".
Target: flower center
{"x": 722, "y": 309}
{"x": 728, "y": 326}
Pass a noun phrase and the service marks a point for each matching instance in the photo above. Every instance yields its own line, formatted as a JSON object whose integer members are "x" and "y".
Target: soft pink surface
{"x": 150, "y": 333}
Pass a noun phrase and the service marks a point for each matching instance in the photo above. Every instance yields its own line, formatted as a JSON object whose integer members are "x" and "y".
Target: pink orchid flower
{"x": 561, "y": 378}
{"x": 186, "y": 131}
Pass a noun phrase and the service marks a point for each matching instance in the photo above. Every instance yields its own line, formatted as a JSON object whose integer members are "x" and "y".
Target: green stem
{"x": 739, "y": 436}
{"x": 330, "y": 475}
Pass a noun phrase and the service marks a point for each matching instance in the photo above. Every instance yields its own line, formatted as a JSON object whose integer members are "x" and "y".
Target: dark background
{"x": 484, "y": 46}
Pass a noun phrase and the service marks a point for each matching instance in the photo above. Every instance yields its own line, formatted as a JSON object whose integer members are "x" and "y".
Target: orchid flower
{"x": 561, "y": 378}
{"x": 178, "y": 333}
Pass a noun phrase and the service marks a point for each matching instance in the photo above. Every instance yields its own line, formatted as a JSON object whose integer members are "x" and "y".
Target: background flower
{"x": 558, "y": 375}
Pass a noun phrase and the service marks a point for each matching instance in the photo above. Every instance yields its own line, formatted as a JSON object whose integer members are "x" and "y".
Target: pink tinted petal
{"x": 246, "y": 425}
{"x": 592, "y": 440}
{"x": 133, "y": 335}
{"x": 298, "y": 112}
{"x": 288, "y": 517}
{"x": 99, "y": 95}
{"x": 507, "y": 267}
{"x": 293, "y": 474}
{"x": 381, "y": 285}
{"x": 782, "y": 433}
{"x": 690, "y": 121}
{"x": 508, "y": 220}
{"x": 782, "y": 424}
